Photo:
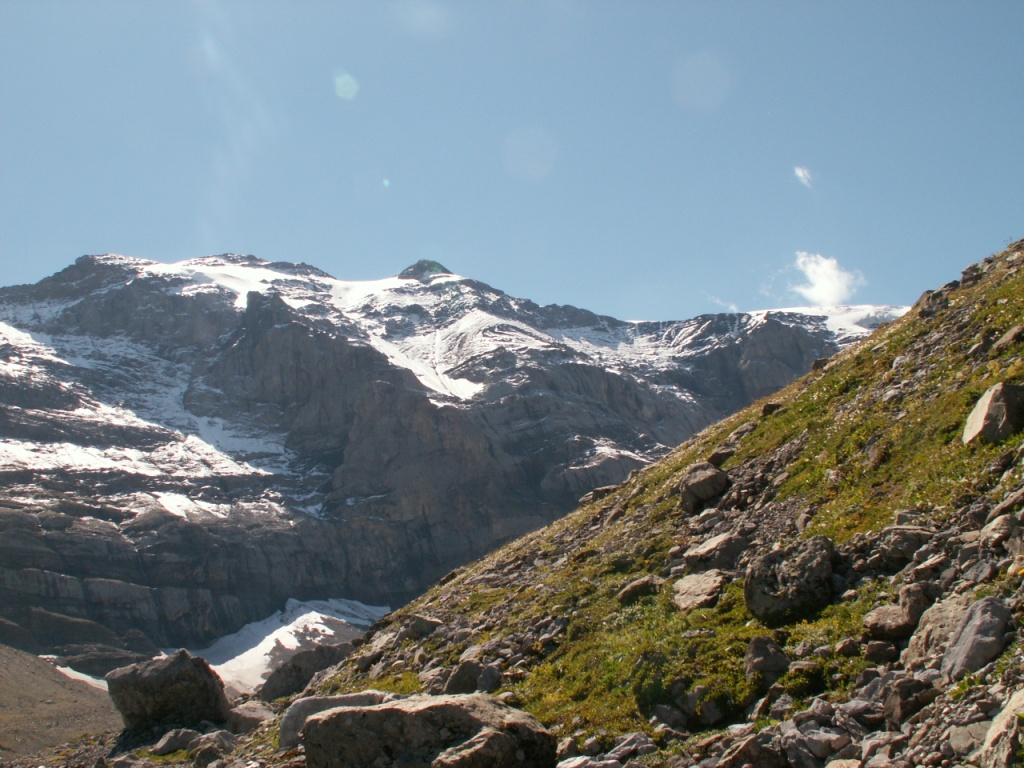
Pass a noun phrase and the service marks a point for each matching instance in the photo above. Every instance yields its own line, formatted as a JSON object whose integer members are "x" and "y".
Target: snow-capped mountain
{"x": 186, "y": 446}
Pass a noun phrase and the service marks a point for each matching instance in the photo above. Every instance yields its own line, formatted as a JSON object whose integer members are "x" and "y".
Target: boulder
{"x": 698, "y": 590}
{"x": 302, "y": 709}
{"x": 764, "y": 662}
{"x": 246, "y": 717}
{"x": 933, "y": 631}
{"x": 978, "y": 638}
{"x": 702, "y": 482}
{"x": 790, "y": 582}
{"x": 179, "y": 688}
{"x": 417, "y": 627}
{"x": 719, "y": 551}
{"x": 469, "y": 731}
{"x": 895, "y": 622}
{"x": 642, "y": 587}
{"x": 293, "y": 675}
{"x": 1002, "y": 741}
{"x": 174, "y": 740}
{"x": 998, "y": 414}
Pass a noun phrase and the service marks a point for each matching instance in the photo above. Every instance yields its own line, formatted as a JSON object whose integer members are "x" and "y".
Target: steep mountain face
{"x": 185, "y": 447}
{"x": 831, "y": 575}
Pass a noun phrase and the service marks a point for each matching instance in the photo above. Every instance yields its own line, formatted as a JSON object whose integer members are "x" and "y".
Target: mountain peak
{"x": 423, "y": 270}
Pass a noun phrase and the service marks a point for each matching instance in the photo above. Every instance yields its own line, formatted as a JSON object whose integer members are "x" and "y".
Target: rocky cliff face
{"x": 184, "y": 447}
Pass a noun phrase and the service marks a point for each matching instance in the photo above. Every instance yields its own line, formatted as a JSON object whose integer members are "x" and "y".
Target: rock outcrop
{"x": 178, "y": 689}
{"x": 473, "y": 731}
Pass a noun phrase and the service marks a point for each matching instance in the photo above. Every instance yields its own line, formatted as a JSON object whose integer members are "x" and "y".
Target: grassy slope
{"x": 863, "y": 457}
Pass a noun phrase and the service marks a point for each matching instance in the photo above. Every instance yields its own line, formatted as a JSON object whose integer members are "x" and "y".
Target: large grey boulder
{"x": 932, "y": 634}
{"x": 698, "y": 590}
{"x": 998, "y": 414}
{"x": 302, "y": 709}
{"x": 978, "y": 638}
{"x": 790, "y": 582}
{"x": 470, "y": 731}
{"x": 180, "y": 689}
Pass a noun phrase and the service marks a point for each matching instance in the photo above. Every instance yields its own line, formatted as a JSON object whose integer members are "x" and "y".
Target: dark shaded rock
{"x": 790, "y": 582}
{"x": 465, "y": 731}
{"x": 293, "y": 675}
{"x": 701, "y": 483}
{"x": 906, "y": 697}
{"x": 464, "y": 678}
{"x": 764, "y": 662}
{"x": 179, "y": 689}
{"x": 246, "y": 717}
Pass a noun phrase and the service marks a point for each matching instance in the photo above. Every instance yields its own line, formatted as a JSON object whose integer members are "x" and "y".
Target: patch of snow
{"x": 74, "y": 674}
{"x": 244, "y": 659}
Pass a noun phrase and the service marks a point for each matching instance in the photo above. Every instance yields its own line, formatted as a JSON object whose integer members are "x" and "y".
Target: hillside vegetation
{"x": 868, "y": 444}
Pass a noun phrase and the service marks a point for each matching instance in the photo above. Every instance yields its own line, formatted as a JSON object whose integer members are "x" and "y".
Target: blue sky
{"x": 651, "y": 160}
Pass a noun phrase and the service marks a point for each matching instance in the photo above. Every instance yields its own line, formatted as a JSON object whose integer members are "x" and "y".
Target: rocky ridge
{"x": 186, "y": 447}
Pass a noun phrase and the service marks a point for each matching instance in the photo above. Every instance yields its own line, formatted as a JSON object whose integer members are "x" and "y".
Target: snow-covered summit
{"x": 448, "y": 330}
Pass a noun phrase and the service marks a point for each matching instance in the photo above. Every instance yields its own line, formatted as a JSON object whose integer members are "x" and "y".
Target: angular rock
{"x": 977, "y": 639}
{"x": 210, "y": 747}
{"x": 932, "y": 634}
{"x": 790, "y": 582}
{"x": 702, "y": 482}
{"x": 642, "y": 587}
{"x": 906, "y": 697}
{"x": 998, "y": 414}
{"x": 418, "y": 627}
{"x": 293, "y": 675}
{"x": 490, "y": 679}
{"x": 464, "y": 678}
{"x": 1002, "y": 741}
{"x": 472, "y": 731}
{"x": 764, "y": 662}
{"x": 302, "y": 709}
{"x": 246, "y": 717}
{"x": 179, "y": 688}
{"x": 719, "y": 551}
{"x": 698, "y": 590}
{"x": 760, "y": 749}
{"x": 174, "y": 740}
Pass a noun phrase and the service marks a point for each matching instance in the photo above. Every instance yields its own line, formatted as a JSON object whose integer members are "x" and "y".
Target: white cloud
{"x": 803, "y": 175}
{"x": 728, "y": 305}
{"x": 827, "y": 282}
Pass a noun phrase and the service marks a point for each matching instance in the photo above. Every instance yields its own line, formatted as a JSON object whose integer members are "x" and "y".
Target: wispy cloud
{"x": 827, "y": 283}
{"x": 728, "y": 305}
{"x": 803, "y": 175}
